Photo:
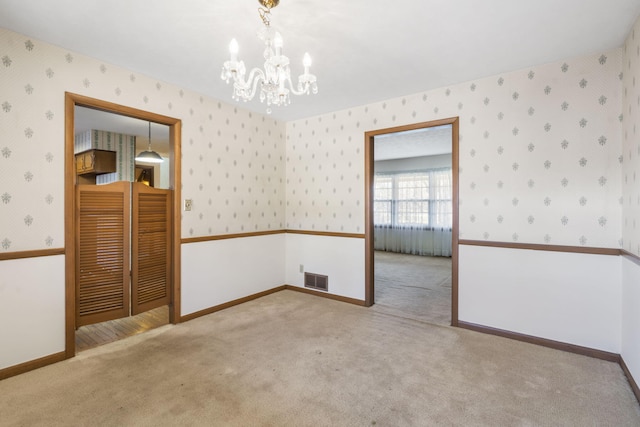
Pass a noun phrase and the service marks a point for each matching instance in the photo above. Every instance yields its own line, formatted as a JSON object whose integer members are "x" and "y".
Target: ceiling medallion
{"x": 274, "y": 81}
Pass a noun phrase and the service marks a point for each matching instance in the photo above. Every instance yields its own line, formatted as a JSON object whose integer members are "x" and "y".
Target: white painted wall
{"x": 568, "y": 297}
{"x": 32, "y": 303}
{"x": 631, "y": 317}
{"x": 339, "y": 258}
{"x": 219, "y": 271}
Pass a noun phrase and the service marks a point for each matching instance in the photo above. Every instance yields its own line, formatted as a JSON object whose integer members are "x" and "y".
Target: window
{"x": 383, "y": 198}
{"x": 413, "y": 199}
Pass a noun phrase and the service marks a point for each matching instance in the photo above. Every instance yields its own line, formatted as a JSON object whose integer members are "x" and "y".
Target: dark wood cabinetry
{"x": 95, "y": 162}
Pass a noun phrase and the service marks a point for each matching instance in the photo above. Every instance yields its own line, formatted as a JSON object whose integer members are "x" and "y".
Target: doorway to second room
{"x": 123, "y": 226}
{"x": 412, "y": 223}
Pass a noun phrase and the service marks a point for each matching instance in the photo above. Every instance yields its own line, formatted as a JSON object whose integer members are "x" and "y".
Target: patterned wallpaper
{"x": 539, "y": 155}
{"x": 540, "y": 150}
{"x": 233, "y": 160}
{"x": 631, "y": 142}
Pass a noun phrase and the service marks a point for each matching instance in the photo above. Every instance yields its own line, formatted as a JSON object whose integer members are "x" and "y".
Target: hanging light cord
{"x": 149, "y": 137}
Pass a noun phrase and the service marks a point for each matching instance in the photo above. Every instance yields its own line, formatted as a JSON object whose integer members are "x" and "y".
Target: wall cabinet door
{"x": 95, "y": 162}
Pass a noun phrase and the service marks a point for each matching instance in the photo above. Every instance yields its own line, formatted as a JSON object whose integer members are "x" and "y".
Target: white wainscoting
{"x": 568, "y": 297}
{"x": 219, "y": 271}
{"x": 32, "y": 309}
{"x": 631, "y": 317}
{"x": 339, "y": 258}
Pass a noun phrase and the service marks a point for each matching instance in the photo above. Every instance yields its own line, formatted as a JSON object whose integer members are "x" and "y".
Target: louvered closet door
{"x": 102, "y": 258}
{"x": 150, "y": 248}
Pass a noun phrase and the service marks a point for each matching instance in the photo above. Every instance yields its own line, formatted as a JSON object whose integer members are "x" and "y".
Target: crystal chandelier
{"x": 275, "y": 79}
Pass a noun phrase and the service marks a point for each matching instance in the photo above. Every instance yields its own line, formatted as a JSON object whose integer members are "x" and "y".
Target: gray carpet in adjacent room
{"x": 292, "y": 359}
{"x": 413, "y": 286}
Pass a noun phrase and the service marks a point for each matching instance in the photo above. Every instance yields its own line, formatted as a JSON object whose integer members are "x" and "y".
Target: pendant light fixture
{"x": 149, "y": 156}
{"x": 274, "y": 81}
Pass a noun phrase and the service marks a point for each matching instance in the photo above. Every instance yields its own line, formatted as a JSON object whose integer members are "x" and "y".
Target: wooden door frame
{"x": 369, "y": 172}
{"x": 71, "y": 100}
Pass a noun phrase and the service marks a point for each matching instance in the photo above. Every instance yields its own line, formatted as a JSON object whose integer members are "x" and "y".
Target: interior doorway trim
{"x": 369, "y": 172}
{"x": 72, "y": 100}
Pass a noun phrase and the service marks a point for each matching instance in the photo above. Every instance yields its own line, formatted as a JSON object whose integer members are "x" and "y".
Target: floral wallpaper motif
{"x": 631, "y": 142}
{"x": 233, "y": 160}
{"x": 539, "y": 155}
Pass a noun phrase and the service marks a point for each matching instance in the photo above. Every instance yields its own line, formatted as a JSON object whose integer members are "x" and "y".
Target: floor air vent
{"x": 316, "y": 281}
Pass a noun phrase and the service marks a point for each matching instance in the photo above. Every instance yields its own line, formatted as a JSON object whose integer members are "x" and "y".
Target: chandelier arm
{"x": 240, "y": 80}
{"x": 253, "y": 73}
{"x": 307, "y": 85}
{"x": 255, "y": 76}
{"x": 292, "y": 87}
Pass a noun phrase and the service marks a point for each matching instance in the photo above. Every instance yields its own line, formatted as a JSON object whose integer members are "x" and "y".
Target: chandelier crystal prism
{"x": 274, "y": 81}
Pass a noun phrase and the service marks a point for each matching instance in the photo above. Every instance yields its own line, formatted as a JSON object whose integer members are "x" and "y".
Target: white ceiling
{"x": 363, "y": 50}
{"x": 431, "y": 141}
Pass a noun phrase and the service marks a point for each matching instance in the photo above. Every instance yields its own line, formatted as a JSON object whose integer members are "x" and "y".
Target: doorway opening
{"x": 134, "y": 260}
{"x": 97, "y": 334}
{"x": 411, "y": 219}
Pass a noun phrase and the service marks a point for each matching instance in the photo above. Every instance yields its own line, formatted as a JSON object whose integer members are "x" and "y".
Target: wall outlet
{"x": 188, "y": 204}
{"x": 301, "y": 268}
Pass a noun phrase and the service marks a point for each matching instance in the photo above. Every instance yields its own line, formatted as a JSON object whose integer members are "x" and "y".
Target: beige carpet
{"x": 292, "y": 359}
{"x": 413, "y": 286}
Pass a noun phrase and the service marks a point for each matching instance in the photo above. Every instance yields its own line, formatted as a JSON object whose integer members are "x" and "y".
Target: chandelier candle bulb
{"x": 278, "y": 42}
{"x": 306, "y": 61}
{"x": 233, "y": 49}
